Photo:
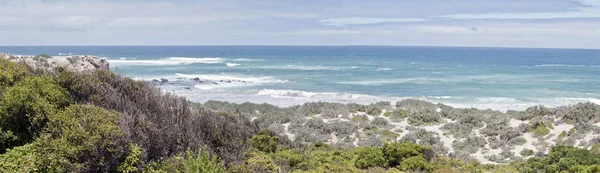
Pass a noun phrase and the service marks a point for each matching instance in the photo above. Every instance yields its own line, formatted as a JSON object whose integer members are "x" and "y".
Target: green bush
{"x": 19, "y": 159}
{"x": 367, "y": 157}
{"x": 11, "y": 72}
{"x": 395, "y": 152}
{"x": 539, "y": 131}
{"x": 415, "y": 163}
{"x": 82, "y": 138}
{"x": 25, "y": 107}
{"x": 563, "y": 158}
{"x": 595, "y": 148}
{"x": 190, "y": 162}
{"x": 387, "y": 114}
{"x": 265, "y": 141}
{"x": 132, "y": 161}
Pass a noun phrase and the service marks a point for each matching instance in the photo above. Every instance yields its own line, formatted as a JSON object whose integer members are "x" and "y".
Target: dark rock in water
{"x": 228, "y": 81}
{"x": 196, "y": 79}
{"x": 163, "y": 80}
{"x": 215, "y": 83}
{"x": 200, "y": 81}
{"x": 154, "y": 80}
{"x": 221, "y": 81}
{"x": 187, "y": 88}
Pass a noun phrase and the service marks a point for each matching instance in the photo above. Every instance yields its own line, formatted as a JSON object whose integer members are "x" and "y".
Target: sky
{"x": 478, "y": 23}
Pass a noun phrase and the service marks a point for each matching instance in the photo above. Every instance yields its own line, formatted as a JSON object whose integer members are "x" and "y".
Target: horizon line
{"x": 299, "y": 45}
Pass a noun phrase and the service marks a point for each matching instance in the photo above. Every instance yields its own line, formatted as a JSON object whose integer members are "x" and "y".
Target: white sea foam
{"x": 561, "y": 65}
{"x": 227, "y": 80}
{"x": 301, "y": 67}
{"x": 481, "y": 79}
{"x": 125, "y": 58}
{"x": 232, "y": 64}
{"x": 384, "y": 69}
{"x": 295, "y": 97}
{"x": 214, "y": 77}
{"x": 246, "y": 60}
{"x": 167, "y": 61}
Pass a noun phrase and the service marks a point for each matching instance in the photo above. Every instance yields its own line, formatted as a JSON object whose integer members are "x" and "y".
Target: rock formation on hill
{"x": 73, "y": 62}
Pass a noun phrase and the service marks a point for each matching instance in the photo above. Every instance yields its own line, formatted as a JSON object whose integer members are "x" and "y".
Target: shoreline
{"x": 286, "y": 98}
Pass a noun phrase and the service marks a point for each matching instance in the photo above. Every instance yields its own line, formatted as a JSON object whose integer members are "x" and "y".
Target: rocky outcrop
{"x": 76, "y": 63}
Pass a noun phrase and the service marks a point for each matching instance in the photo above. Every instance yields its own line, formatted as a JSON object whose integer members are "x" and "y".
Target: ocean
{"x": 488, "y": 78}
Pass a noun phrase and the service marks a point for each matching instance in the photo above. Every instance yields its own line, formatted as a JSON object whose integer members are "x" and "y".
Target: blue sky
{"x": 495, "y": 23}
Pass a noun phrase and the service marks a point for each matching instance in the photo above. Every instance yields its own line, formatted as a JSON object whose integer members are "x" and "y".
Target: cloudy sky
{"x": 498, "y": 23}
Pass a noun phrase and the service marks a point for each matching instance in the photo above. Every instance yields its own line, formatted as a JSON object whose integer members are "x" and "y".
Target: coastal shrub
{"x": 580, "y": 113}
{"x": 369, "y": 157}
{"x": 311, "y": 108}
{"x": 25, "y": 107}
{"x": 517, "y": 141}
{"x": 469, "y": 145}
{"x": 81, "y": 138}
{"x": 132, "y": 162}
{"x": 424, "y": 118}
{"x": 387, "y": 114}
{"x": 562, "y": 158}
{"x": 526, "y": 152}
{"x": 523, "y": 127}
{"x": 188, "y": 162}
{"x": 509, "y": 134}
{"x": 11, "y": 72}
{"x": 19, "y": 159}
{"x": 457, "y": 129}
{"x": 415, "y": 163}
{"x": 359, "y": 118}
{"x": 353, "y": 107}
{"x": 333, "y": 110}
{"x": 343, "y": 128}
{"x": 495, "y": 126}
{"x": 396, "y": 152}
{"x": 380, "y": 122}
{"x": 539, "y": 130}
{"x": 162, "y": 124}
{"x": 535, "y": 111}
{"x": 370, "y": 141}
{"x": 373, "y": 110}
{"x": 495, "y": 143}
{"x": 415, "y": 105}
{"x": 265, "y": 141}
{"x": 398, "y": 115}
{"x": 387, "y": 135}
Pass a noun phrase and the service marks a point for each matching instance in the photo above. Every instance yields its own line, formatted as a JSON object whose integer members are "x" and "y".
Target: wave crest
{"x": 167, "y": 61}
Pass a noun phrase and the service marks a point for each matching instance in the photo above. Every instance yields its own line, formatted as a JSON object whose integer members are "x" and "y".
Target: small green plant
{"x": 526, "y": 152}
{"x": 387, "y": 114}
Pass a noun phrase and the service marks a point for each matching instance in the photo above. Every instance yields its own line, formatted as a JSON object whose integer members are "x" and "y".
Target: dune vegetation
{"x": 99, "y": 121}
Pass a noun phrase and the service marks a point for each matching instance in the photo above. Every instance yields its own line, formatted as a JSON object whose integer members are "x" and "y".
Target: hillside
{"x": 61, "y": 119}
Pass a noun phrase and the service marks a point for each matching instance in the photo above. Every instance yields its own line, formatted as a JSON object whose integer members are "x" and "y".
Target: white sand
{"x": 515, "y": 123}
{"x": 446, "y": 139}
{"x": 287, "y": 132}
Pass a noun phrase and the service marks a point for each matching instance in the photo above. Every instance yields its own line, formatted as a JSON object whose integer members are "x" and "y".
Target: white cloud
{"x": 340, "y": 22}
{"x": 590, "y": 11}
{"x": 206, "y": 22}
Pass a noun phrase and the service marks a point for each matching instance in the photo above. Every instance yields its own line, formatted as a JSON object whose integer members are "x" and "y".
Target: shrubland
{"x": 99, "y": 121}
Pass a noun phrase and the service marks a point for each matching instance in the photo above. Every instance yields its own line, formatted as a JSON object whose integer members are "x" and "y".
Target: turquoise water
{"x": 496, "y": 78}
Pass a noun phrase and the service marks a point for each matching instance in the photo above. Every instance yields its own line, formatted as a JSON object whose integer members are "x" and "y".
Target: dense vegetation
{"x": 98, "y": 121}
